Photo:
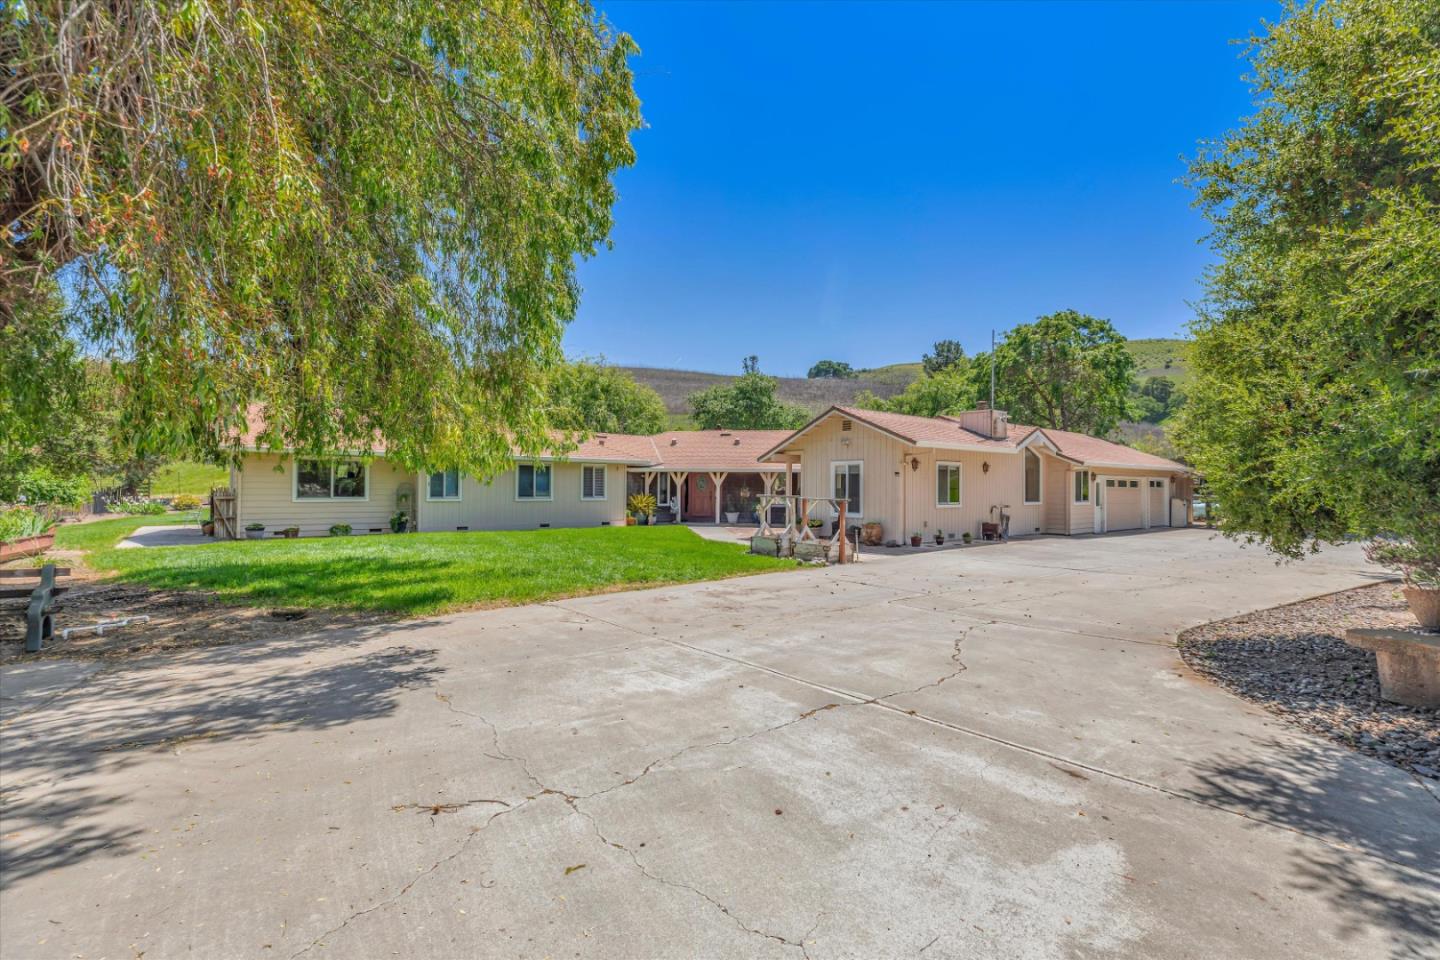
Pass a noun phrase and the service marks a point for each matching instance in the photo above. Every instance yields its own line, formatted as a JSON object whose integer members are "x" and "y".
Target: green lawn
{"x": 425, "y": 572}
{"x": 186, "y": 477}
{"x": 106, "y": 533}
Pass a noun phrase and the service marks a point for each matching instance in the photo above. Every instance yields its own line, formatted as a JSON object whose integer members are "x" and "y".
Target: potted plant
{"x": 939, "y": 538}
{"x": 1419, "y": 573}
{"x": 915, "y": 539}
{"x": 254, "y": 531}
{"x": 290, "y": 533}
{"x": 642, "y": 506}
{"x": 340, "y": 530}
{"x": 25, "y": 532}
{"x": 815, "y": 526}
{"x": 399, "y": 523}
{"x": 966, "y": 537}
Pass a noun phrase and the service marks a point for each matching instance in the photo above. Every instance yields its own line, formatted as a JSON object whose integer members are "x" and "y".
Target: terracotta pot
{"x": 1425, "y": 604}
{"x": 914, "y": 541}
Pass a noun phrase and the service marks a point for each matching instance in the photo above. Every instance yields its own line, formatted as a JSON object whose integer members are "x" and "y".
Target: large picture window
{"x": 1032, "y": 476}
{"x": 592, "y": 483}
{"x": 947, "y": 484}
{"x": 331, "y": 480}
{"x": 532, "y": 481}
{"x": 847, "y": 485}
{"x": 444, "y": 485}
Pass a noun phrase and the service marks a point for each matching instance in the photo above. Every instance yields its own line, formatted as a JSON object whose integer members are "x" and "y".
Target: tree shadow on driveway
{"x": 1379, "y": 866}
{"x": 63, "y": 802}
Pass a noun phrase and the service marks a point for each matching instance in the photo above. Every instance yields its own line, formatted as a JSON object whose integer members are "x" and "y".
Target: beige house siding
{"x": 903, "y": 499}
{"x": 493, "y": 505}
{"x": 1059, "y": 491}
{"x": 266, "y": 496}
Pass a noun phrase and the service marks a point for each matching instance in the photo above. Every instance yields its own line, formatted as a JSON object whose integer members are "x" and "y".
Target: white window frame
{"x": 533, "y": 499}
{"x": 295, "y": 480}
{"x": 1040, "y": 462}
{"x": 1089, "y": 486}
{"x": 960, "y": 469}
{"x": 459, "y": 487}
{"x": 604, "y": 481}
{"x": 847, "y": 464}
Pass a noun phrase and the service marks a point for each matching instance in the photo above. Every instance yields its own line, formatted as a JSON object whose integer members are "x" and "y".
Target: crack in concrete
{"x": 681, "y": 885}
{"x": 459, "y": 849}
{"x": 573, "y": 802}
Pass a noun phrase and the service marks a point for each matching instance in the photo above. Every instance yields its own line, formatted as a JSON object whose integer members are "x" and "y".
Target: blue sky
{"x": 856, "y": 181}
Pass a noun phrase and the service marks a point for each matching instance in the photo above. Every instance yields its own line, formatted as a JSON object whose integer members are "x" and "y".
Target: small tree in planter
{"x": 642, "y": 507}
{"x": 1420, "y": 573}
{"x": 254, "y": 531}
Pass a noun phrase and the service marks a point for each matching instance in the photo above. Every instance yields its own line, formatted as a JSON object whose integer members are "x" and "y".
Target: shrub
{"x": 137, "y": 507}
{"x": 21, "y": 522}
{"x": 186, "y": 501}
{"x": 340, "y": 530}
{"x": 1416, "y": 568}
{"x": 42, "y": 486}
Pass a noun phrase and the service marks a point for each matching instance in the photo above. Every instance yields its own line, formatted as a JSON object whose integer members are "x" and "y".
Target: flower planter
{"x": 1409, "y": 664}
{"x": 255, "y": 534}
{"x": 27, "y": 546}
{"x": 765, "y": 546}
{"x": 1425, "y": 605}
{"x": 812, "y": 550}
{"x": 915, "y": 541}
{"x": 732, "y": 518}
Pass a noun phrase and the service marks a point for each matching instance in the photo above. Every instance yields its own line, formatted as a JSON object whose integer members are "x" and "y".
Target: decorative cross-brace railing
{"x": 799, "y": 511}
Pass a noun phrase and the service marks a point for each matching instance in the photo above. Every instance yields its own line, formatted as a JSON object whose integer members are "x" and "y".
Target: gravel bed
{"x": 1294, "y": 661}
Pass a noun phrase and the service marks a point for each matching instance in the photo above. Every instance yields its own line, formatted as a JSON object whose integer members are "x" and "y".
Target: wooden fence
{"x": 223, "y": 508}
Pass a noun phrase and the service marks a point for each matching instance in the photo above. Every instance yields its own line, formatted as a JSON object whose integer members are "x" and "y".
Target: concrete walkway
{"x": 983, "y": 753}
{"x": 167, "y": 536}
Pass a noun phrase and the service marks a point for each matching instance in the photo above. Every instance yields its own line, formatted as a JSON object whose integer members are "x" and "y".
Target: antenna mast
{"x": 992, "y": 368}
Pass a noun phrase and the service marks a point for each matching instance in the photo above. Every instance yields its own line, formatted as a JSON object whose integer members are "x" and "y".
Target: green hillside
{"x": 895, "y": 374}
{"x": 1161, "y": 358}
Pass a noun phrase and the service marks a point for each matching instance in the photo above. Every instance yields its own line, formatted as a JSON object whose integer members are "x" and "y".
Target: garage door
{"x": 1123, "y": 508}
{"x": 1159, "y": 505}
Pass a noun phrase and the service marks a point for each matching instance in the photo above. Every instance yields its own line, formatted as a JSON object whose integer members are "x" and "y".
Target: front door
{"x": 700, "y": 498}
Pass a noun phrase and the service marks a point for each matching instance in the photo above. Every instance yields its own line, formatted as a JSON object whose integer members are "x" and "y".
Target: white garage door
{"x": 1123, "y": 508}
{"x": 1159, "y": 504}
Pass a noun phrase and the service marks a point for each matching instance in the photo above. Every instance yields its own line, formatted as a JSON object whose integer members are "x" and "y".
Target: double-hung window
{"x": 1082, "y": 486}
{"x": 947, "y": 484}
{"x": 592, "y": 483}
{"x": 1032, "y": 476}
{"x": 847, "y": 484}
{"x": 532, "y": 481}
{"x": 444, "y": 485}
{"x": 331, "y": 480}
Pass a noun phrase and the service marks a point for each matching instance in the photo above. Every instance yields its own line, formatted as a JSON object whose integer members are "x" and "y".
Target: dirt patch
{"x": 179, "y": 620}
{"x": 1294, "y": 661}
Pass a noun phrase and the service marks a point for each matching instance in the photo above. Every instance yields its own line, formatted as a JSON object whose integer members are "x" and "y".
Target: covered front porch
{"x": 710, "y": 496}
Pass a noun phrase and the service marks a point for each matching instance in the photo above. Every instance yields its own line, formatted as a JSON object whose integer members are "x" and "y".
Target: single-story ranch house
{"x": 909, "y": 474}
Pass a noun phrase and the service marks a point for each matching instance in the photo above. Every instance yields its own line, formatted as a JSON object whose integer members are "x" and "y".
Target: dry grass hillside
{"x": 675, "y": 387}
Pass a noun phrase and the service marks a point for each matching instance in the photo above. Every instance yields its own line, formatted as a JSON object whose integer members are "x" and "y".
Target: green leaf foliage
{"x": 363, "y": 218}
{"x": 949, "y": 391}
{"x": 590, "y": 397}
{"x": 947, "y": 354}
{"x": 748, "y": 402}
{"x": 1066, "y": 371}
{"x": 832, "y": 369}
{"x": 1314, "y": 410}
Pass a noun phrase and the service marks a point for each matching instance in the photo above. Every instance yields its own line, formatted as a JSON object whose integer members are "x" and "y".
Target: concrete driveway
{"x": 986, "y": 753}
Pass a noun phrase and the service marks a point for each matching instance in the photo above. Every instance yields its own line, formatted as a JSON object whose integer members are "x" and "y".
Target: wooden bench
{"x": 39, "y": 625}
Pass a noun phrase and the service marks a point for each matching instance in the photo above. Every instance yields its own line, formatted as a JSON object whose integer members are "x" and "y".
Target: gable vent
{"x": 847, "y": 424}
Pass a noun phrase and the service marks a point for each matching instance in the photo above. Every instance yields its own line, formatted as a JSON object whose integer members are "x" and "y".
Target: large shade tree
{"x": 363, "y": 217}
{"x": 1067, "y": 371}
{"x": 1314, "y": 411}
{"x": 749, "y": 402}
{"x": 591, "y": 397}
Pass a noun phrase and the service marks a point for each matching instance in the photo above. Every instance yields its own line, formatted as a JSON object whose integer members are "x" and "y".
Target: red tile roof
{"x": 947, "y": 433}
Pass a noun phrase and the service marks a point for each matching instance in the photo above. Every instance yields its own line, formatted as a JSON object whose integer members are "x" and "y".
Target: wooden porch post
{"x": 844, "y": 541}
{"x": 718, "y": 479}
